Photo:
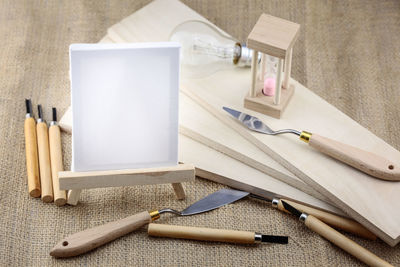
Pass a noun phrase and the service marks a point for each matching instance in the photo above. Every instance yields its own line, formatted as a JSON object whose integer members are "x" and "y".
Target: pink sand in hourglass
{"x": 269, "y": 87}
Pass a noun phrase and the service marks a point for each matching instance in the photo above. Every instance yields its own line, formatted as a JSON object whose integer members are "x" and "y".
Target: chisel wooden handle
{"x": 92, "y": 238}
{"x": 370, "y": 163}
{"x": 44, "y": 162}
{"x": 335, "y": 221}
{"x": 60, "y": 196}
{"x": 198, "y": 233}
{"x": 343, "y": 242}
{"x": 32, "y": 163}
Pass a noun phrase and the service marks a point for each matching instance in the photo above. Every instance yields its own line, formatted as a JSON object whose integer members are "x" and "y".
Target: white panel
{"x": 124, "y": 105}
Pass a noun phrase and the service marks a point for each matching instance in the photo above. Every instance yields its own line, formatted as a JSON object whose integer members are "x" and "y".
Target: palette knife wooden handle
{"x": 82, "y": 242}
{"x": 365, "y": 161}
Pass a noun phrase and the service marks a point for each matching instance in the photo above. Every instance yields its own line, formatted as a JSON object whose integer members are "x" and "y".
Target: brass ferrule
{"x": 305, "y": 136}
{"x": 154, "y": 215}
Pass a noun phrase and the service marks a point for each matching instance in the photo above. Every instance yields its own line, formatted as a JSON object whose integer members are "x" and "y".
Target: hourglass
{"x": 273, "y": 38}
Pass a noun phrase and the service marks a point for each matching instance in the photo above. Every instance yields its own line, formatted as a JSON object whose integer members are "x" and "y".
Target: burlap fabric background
{"x": 348, "y": 53}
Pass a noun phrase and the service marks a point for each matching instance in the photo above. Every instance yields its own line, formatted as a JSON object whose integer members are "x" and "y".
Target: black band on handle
{"x": 274, "y": 239}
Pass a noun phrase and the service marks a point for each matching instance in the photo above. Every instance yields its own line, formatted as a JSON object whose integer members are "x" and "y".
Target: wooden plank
{"x": 200, "y": 125}
{"x": 98, "y": 179}
{"x": 294, "y": 182}
{"x": 374, "y": 203}
{"x": 241, "y": 176}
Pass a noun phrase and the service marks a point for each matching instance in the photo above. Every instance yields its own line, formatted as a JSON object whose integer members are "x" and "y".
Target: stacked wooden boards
{"x": 217, "y": 166}
{"x": 255, "y": 175}
{"x": 372, "y": 202}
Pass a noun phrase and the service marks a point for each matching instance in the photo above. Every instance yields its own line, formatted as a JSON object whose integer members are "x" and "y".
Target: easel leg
{"x": 179, "y": 191}
{"x": 73, "y": 196}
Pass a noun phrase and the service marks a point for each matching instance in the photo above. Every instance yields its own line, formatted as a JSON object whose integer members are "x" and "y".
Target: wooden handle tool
{"x": 209, "y": 234}
{"x": 345, "y": 224}
{"x": 60, "y": 196}
{"x": 92, "y": 238}
{"x": 44, "y": 158}
{"x": 89, "y": 239}
{"x": 370, "y": 163}
{"x": 365, "y": 161}
{"x": 32, "y": 162}
{"x": 343, "y": 242}
{"x": 337, "y": 238}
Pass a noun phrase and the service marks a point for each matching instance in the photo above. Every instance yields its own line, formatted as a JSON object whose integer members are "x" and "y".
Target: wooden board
{"x": 240, "y": 175}
{"x": 374, "y": 203}
{"x": 200, "y": 125}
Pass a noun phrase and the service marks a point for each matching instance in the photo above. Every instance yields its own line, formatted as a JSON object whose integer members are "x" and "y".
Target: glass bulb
{"x": 269, "y": 77}
{"x": 205, "y": 50}
{"x": 271, "y": 66}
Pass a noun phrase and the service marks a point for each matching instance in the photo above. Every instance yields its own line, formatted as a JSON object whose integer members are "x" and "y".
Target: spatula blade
{"x": 251, "y": 122}
{"x": 215, "y": 200}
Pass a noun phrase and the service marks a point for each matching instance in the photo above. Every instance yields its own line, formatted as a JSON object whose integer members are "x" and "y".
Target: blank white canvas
{"x": 124, "y": 105}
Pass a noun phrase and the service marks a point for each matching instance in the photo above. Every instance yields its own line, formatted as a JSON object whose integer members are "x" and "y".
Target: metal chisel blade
{"x": 291, "y": 209}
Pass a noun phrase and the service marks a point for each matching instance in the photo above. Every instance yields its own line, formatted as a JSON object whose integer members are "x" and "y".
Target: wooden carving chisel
{"x": 210, "y": 234}
{"x": 60, "y": 196}
{"x": 32, "y": 162}
{"x": 336, "y": 238}
{"x": 44, "y": 158}
{"x": 338, "y": 222}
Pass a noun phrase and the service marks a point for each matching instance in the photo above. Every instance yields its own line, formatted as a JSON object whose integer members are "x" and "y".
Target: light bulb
{"x": 205, "y": 50}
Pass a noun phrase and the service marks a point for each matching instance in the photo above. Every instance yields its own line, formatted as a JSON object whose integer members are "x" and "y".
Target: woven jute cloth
{"x": 348, "y": 52}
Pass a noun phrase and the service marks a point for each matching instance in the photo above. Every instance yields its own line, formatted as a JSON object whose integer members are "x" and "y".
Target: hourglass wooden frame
{"x": 276, "y": 37}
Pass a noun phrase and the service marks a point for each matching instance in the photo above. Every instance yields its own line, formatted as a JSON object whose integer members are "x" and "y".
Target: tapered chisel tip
{"x": 28, "y": 105}
{"x": 291, "y": 209}
{"x": 54, "y": 114}
{"x": 40, "y": 111}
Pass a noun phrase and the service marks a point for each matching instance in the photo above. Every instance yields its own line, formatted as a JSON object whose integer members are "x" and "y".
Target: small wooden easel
{"x": 276, "y": 37}
{"x": 76, "y": 181}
